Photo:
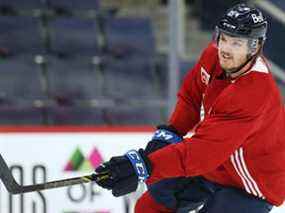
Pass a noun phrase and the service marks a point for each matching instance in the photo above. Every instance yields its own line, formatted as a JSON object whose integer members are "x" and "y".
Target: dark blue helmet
{"x": 243, "y": 21}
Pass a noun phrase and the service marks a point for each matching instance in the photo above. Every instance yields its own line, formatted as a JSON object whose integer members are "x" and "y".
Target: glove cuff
{"x": 166, "y": 134}
{"x": 138, "y": 163}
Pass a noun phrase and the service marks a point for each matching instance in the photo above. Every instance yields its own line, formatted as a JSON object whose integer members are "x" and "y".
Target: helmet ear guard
{"x": 253, "y": 45}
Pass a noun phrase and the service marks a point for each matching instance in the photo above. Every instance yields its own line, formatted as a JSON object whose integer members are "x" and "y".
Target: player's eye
{"x": 237, "y": 44}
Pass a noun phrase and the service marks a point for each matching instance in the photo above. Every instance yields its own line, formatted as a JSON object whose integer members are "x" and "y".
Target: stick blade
{"x": 8, "y": 180}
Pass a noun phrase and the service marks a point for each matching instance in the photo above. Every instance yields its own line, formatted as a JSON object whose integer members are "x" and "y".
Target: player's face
{"x": 232, "y": 52}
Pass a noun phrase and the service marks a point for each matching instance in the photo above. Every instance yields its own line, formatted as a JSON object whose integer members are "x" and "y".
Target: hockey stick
{"x": 14, "y": 188}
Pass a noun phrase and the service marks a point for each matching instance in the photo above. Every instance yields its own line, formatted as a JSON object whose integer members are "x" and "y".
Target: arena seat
{"x": 20, "y": 115}
{"x": 130, "y": 36}
{"x": 75, "y": 115}
{"x": 20, "y": 35}
{"x": 23, "y": 4}
{"x": 72, "y": 79}
{"x": 129, "y": 77}
{"x": 162, "y": 72}
{"x": 73, "y": 36}
{"x": 134, "y": 115}
{"x": 20, "y": 78}
{"x": 74, "y": 4}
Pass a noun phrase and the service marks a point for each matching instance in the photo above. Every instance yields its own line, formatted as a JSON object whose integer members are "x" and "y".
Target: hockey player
{"x": 234, "y": 162}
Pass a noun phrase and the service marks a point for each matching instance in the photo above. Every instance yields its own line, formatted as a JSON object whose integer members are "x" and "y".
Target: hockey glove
{"x": 122, "y": 173}
{"x": 163, "y": 136}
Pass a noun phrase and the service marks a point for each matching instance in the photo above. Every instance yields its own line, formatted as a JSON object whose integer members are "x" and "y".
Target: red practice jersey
{"x": 239, "y": 140}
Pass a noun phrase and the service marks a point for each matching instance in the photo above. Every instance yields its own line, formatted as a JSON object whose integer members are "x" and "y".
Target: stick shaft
{"x": 14, "y": 188}
{"x": 56, "y": 184}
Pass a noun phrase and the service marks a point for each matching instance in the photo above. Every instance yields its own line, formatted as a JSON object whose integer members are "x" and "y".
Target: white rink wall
{"x": 35, "y": 157}
{"x": 39, "y": 157}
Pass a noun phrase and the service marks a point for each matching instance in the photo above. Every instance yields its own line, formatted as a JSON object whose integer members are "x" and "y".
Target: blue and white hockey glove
{"x": 163, "y": 136}
{"x": 121, "y": 174}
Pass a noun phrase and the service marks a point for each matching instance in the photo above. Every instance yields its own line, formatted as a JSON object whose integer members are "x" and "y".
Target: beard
{"x": 227, "y": 65}
{"x": 230, "y": 69}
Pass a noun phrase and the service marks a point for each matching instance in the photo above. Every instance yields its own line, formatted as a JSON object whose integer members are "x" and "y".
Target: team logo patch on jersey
{"x": 205, "y": 77}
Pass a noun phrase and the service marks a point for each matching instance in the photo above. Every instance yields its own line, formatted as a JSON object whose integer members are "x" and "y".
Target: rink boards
{"x": 46, "y": 155}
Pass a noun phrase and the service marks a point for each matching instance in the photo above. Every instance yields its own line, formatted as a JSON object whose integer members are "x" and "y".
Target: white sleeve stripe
{"x": 243, "y": 175}
{"x": 248, "y": 174}
{"x": 242, "y": 170}
{"x": 242, "y": 179}
{"x": 250, "y": 185}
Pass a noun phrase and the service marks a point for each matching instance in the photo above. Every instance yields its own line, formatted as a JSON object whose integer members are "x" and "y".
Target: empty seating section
{"x": 20, "y": 34}
{"x": 20, "y": 115}
{"x": 54, "y": 67}
{"x": 23, "y": 4}
{"x": 74, "y": 4}
{"x": 128, "y": 36}
{"x": 129, "y": 78}
{"x": 75, "y": 115}
{"x": 73, "y": 36}
{"x": 137, "y": 115}
{"x": 20, "y": 79}
{"x": 74, "y": 79}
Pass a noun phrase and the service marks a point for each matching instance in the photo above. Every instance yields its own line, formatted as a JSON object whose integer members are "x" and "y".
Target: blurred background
{"x": 109, "y": 62}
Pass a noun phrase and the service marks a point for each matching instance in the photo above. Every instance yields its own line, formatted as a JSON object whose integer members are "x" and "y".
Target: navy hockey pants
{"x": 182, "y": 195}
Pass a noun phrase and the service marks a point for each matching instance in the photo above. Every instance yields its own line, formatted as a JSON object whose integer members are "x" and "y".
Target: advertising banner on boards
{"x": 40, "y": 157}
{"x": 37, "y": 157}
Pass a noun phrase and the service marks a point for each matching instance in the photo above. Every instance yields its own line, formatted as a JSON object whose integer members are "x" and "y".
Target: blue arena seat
{"x": 162, "y": 71}
{"x": 74, "y": 4}
{"x": 73, "y": 36}
{"x": 20, "y": 78}
{"x": 23, "y": 4}
{"x": 20, "y": 115}
{"x": 127, "y": 36}
{"x": 134, "y": 115}
{"x": 72, "y": 79}
{"x": 20, "y": 34}
{"x": 130, "y": 77}
{"x": 75, "y": 115}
